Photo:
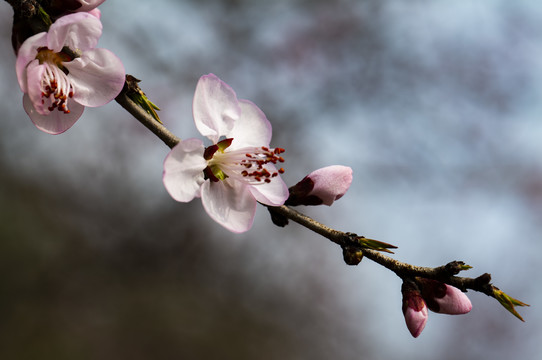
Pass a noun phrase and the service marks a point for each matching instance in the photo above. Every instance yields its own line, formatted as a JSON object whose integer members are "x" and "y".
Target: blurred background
{"x": 434, "y": 104}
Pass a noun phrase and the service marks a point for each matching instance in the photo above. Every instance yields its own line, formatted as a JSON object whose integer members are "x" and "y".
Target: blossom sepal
{"x": 58, "y": 8}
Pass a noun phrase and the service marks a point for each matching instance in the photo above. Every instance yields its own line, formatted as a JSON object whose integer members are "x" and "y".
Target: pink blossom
{"x": 234, "y": 173}
{"x": 58, "y": 84}
{"x": 443, "y": 298}
{"x": 322, "y": 186}
{"x": 414, "y": 309}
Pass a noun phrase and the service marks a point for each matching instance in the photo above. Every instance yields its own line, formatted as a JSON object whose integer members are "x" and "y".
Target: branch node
{"x": 482, "y": 280}
{"x": 352, "y": 255}
{"x": 454, "y": 268}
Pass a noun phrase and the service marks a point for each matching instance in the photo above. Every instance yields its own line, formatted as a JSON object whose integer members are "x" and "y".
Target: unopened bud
{"x": 443, "y": 298}
{"x": 352, "y": 255}
{"x": 322, "y": 186}
{"x": 414, "y": 308}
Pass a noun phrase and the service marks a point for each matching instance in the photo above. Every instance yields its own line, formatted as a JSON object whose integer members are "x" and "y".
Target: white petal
{"x": 230, "y": 204}
{"x": 79, "y": 31}
{"x": 251, "y": 129}
{"x": 97, "y": 77}
{"x": 34, "y": 74}
{"x": 27, "y": 53}
{"x": 274, "y": 193}
{"x": 215, "y": 107}
{"x": 183, "y": 170}
{"x": 56, "y": 122}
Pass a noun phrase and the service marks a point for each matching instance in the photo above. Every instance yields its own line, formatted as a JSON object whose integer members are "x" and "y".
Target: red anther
{"x": 244, "y": 173}
{"x": 224, "y": 144}
{"x": 209, "y": 152}
{"x": 267, "y": 180}
{"x": 265, "y": 148}
{"x": 281, "y": 159}
{"x": 208, "y": 174}
{"x": 248, "y": 156}
{"x": 281, "y": 170}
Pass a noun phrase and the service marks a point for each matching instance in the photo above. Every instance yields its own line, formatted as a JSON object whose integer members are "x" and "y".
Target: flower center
{"x": 55, "y": 86}
{"x": 250, "y": 164}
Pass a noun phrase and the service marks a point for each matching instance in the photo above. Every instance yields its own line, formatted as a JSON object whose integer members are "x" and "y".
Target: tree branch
{"x": 445, "y": 273}
{"x": 146, "y": 119}
{"x": 346, "y": 240}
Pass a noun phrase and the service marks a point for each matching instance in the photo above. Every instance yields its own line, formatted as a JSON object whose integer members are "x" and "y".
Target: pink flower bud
{"x": 322, "y": 186}
{"x": 414, "y": 309}
{"x": 443, "y": 298}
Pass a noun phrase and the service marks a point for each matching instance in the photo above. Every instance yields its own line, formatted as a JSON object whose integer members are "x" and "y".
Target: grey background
{"x": 434, "y": 104}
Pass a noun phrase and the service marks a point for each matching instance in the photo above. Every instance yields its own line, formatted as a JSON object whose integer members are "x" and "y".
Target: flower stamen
{"x": 248, "y": 164}
{"x": 55, "y": 86}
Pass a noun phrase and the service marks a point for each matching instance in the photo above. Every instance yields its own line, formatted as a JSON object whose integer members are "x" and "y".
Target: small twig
{"x": 445, "y": 273}
{"x": 146, "y": 119}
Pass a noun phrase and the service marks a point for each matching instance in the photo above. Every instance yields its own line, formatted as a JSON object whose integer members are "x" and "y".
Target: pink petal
{"x": 79, "y": 31}
{"x": 97, "y": 77}
{"x": 455, "y": 302}
{"x": 414, "y": 308}
{"x": 230, "y": 204}
{"x": 27, "y": 53}
{"x": 331, "y": 182}
{"x": 274, "y": 193}
{"x": 183, "y": 170}
{"x": 89, "y": 5}
{"x": 56, "y": 122}
{"x": 96, "y": 12}
{"x": 416, "y": 320}
{"x": 215, "y": 107}
{"x": 251, "y": 129}
{"x": 34, "y": 74}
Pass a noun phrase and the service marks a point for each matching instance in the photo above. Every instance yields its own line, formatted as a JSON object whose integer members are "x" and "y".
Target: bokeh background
{"x": 436, "y": 105}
